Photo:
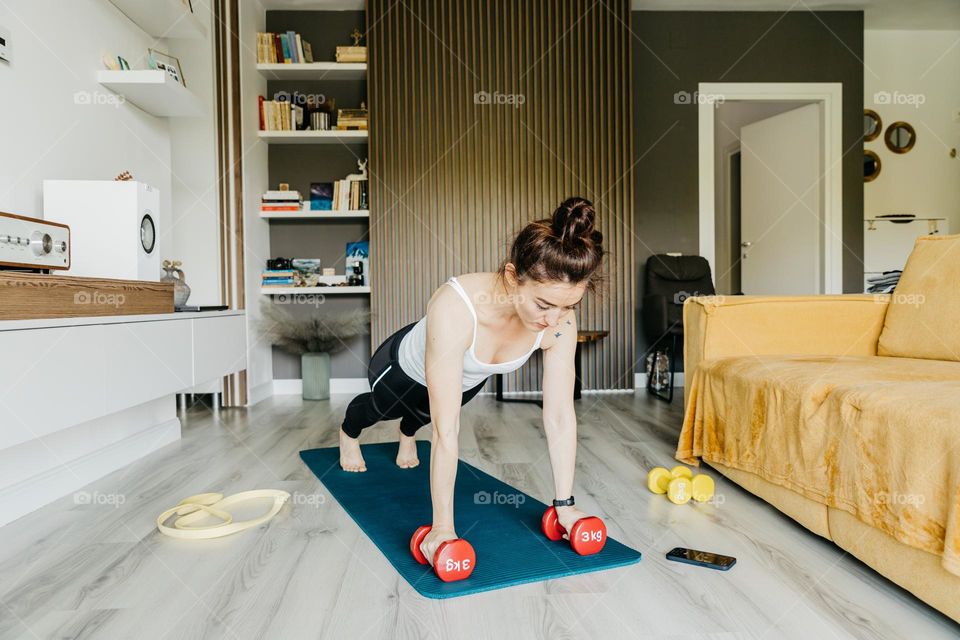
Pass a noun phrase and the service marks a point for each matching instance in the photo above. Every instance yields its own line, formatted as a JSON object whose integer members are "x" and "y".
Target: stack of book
{"x": 277, "y": 278}
{"x": 280, "y": 115}
{"x": 281, "y": 201}
{"x": 352, "y": 119}
{"x": 286, "y": 47}
{"x": 351, "y": 54}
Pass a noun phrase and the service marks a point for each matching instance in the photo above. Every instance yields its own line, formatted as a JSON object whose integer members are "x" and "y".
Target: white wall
{"x": 57, "y": 122}
{"x": 255, "y": 181}
{"x": 47, "y": 131}
{"x": 904, "y": 64}
{"x": 195, "y": 230}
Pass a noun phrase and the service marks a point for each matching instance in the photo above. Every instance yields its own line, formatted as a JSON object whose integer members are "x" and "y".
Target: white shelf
{"x": 162, "y": 18}
{"x": 154, "y": 91}
{"x": 273, "y": 291}
{"x": 307, "y": 214}
{"x": 313, "y": 71}
{"x": 312, "y": 137}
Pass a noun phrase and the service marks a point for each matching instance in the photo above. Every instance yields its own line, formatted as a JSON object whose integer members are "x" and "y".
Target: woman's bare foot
{"x": 350, "y": 457}
{"x": 407, "y": 455}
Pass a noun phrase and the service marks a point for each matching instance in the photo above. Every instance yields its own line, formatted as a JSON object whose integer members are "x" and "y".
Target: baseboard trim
{"x": 261, "y": 392}
{"x": 294, "y": 386}
{"x": 29, "y": 494}
{"x": 640, "y": 380}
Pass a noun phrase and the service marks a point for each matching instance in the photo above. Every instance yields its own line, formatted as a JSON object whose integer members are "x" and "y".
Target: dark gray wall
{"x": 674, "y": 51}
{"x": 299, "y": 165}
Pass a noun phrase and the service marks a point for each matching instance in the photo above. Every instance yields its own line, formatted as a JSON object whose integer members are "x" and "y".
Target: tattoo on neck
{"x": 557, "y": 334}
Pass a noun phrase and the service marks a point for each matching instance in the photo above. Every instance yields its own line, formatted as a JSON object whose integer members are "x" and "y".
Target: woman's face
{"x": 541, "y": 304}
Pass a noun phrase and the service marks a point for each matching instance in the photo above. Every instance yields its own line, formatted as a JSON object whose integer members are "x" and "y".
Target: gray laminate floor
{"x": 101, "y": 570}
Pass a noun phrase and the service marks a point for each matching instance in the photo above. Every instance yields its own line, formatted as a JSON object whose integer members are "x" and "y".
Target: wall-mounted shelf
{"x": 307, "y": 214}
{"x": 154, "y": 91}
{"x": 314, "y": 71}
{"x": 273, "y": 291}
{"x": 313, "y": 137}
{"x": 162, "y": 18}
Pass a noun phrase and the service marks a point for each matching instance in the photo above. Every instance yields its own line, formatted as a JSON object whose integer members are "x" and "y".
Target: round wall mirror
{"x": 871, "y": 166}
{"x": 900, "y": 137}
{"x": 872, "y": 125}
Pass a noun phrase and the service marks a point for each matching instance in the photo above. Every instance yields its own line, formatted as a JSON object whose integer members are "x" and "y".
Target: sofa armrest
{"x": 725, "y": 326}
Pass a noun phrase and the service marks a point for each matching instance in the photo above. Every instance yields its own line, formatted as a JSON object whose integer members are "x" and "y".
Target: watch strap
{"x": 564, "y": 503}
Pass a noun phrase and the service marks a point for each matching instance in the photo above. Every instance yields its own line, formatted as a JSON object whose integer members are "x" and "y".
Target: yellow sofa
{"x": 844, "y": 413}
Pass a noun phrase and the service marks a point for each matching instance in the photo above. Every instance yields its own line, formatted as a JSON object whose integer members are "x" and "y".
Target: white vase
{"x": 315, "y": 373}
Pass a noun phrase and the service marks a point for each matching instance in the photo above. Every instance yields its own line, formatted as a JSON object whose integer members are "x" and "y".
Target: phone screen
{"x": 705, "y": 558}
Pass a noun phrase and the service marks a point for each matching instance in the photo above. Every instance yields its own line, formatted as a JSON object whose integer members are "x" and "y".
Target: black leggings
{"x": 393, "y": 393}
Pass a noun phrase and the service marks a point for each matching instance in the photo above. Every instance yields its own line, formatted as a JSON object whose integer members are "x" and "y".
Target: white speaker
{"x": 114, "y": 226}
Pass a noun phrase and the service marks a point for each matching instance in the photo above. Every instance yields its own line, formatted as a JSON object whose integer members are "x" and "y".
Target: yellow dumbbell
{"x": 680, "y": 484}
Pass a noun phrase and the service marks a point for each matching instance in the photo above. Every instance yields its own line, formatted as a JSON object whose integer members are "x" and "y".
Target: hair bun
{"x": 575, "y": 218}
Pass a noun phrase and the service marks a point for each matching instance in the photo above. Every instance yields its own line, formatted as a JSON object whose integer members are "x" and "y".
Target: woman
{"x": 478, "y": 326}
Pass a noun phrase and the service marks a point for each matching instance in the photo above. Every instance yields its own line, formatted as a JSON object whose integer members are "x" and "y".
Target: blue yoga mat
{"x": 501, "y": 522}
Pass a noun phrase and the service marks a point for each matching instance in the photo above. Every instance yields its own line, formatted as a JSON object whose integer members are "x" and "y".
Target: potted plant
{"x": 313, "y": 338}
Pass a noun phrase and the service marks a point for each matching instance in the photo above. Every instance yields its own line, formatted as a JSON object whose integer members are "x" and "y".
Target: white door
{"x": 780, "y": 209}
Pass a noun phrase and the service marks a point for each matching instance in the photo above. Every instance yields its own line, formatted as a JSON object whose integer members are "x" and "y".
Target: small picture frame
{"x": 166, "y": 62}
{"x": 124, "y": 65}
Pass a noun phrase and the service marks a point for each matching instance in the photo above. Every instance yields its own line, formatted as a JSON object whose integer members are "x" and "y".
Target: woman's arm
{"x": 559, "y": 416}
{"x": 449, "y": 333}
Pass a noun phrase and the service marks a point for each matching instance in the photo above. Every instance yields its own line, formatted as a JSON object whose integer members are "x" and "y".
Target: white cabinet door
{"x": 50, "y": 379}
{"x": 147, "y": 360}
{"x": 219, "y": 347}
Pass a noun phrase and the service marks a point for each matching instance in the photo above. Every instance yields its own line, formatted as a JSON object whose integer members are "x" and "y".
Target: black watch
{"x": 564, "y": 503}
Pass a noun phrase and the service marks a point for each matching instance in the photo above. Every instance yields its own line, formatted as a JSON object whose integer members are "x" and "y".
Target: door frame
{"x": 830, "y": 96}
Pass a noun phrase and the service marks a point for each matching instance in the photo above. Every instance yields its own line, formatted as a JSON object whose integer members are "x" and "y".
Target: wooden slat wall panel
{"x": 226, "y": 26}
{"x": 452, "y": 181}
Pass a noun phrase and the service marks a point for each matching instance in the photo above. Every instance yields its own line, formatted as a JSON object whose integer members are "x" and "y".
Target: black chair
{"x": 669, "y": 281}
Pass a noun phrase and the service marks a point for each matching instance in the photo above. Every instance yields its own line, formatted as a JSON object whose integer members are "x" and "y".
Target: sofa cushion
{"x": 924, "y": 311}
{"x": 876, "y": 437}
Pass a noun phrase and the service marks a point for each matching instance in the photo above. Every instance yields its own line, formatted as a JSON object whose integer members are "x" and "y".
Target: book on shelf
{"x": 276, "y": 195}
{"x": 275, "y": 201}
{"x": 288, "y": 47}
{"x": 280, "y": 115}
{"x": 351, "y": 54}
{"x": 349, "y": 195}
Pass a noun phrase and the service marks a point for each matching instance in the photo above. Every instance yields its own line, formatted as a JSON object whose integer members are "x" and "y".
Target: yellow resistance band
{"x": 195, "y": 508}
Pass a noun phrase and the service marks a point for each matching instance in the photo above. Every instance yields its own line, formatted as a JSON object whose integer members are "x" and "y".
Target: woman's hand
{"x": 432, "y": 541}
{"x": 568, "y": 517}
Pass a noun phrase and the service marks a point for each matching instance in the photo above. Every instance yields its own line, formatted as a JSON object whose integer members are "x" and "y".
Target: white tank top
{"x": 413, "y": 351}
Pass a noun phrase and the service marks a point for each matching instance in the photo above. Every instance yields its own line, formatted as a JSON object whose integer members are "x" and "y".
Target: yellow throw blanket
{"x": 874, "y": 436}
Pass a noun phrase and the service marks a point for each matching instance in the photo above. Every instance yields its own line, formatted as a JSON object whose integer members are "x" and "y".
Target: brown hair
{"x": 565, "y": 247}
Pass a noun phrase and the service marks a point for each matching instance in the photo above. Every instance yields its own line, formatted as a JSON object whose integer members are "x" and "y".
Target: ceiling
{"x": 877, "y": 14}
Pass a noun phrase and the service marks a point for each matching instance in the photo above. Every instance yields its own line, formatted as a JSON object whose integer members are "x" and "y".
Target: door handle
{"x": 746, "y": 244}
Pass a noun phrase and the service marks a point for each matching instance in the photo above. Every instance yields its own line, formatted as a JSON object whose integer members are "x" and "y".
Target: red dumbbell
{"x": 587, "y": 536}
{"x": 453, "y": 560}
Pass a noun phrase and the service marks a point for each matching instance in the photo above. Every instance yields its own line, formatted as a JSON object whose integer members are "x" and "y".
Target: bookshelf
{"x": 318, "y": 234}
{"x": 275, "y": 291}
{"x": 307, "y": 214}
{"x": 313, "y": 71}
{"x": 313, "y": 137}
{"x": 152, "y": 90}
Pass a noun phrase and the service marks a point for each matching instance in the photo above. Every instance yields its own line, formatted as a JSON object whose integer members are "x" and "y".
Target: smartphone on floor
{"x": 702, "y": 558}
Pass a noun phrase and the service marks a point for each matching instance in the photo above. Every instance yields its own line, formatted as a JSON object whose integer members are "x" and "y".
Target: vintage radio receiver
{"x": 31, "y": 243}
